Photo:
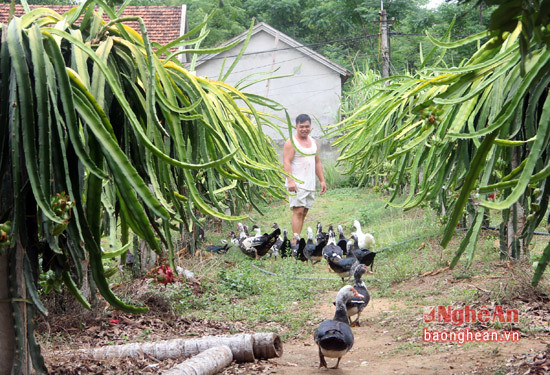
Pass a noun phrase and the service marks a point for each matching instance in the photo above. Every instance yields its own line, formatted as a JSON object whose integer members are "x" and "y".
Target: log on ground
{"x": 209, "y": 362}
{"x": 267, "y": 345}
{"x": 242, "y": 346}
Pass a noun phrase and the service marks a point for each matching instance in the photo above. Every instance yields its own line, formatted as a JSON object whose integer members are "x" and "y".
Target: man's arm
{"x": 319, "y": 172}
{"x": 288, "y": 155}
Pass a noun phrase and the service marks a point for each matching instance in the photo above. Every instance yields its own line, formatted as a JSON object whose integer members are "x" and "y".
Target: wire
{"x": 312, "y": 45}
{"x": 396, "y": 33}
{"x": 299, "y": 47}
{"x": 303, "y": 277}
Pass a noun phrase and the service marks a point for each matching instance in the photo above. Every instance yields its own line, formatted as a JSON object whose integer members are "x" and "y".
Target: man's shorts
{"x": 303, "y": 198}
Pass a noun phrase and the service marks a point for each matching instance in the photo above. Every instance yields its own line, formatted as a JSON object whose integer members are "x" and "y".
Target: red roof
{"x": 163, "y": 23}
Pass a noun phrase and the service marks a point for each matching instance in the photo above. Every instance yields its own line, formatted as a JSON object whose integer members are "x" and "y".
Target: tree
{"x": 91, "y": 118}
{"x": 468, "y": 138}
{"x": 229, "y": 19}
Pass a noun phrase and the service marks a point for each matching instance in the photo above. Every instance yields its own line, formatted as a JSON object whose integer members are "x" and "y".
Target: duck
{"x": 217, "y": 249}
{"x": 313, "y": 252}
{"x": 298, "y": 250}
{"x": 234, "y": 239}
{"x": 285, "y": 247}
{"x": 365, "y": 256}
{"x": 342, "y": 241}
{"x": 245, "y": 228}
{"x": 331, "y": 246}
{"x": 263, "y": 243}
{"x": 334, "y": 337}
{"x": 256, "y": 246}
{"x": 258, "y": 231}
{"x": 278, "y": 243}
{"x": 343, "y": 267}
{"x": 245, "y": 241}
{"x": 357, "y": 304}
{"x": 365, "y": 240}
{"x": 320, "y": 235}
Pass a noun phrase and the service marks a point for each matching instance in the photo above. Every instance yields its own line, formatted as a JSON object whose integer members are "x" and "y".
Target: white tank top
{"x": 303, "y": 167}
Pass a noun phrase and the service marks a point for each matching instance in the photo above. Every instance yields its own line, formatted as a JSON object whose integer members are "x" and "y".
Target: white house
{"x": 314, "y": 87}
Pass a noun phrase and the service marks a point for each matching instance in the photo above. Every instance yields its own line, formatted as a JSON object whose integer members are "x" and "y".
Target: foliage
{"x": 451, "y": 134}
{"x": 44, "y": 2}
{"x": 229, "y": 19}
{"x": 533, "y": 16}
{"x": 94, "y": 119}
{"x": 239, "y": 282}
{"x": 344, "y": 31}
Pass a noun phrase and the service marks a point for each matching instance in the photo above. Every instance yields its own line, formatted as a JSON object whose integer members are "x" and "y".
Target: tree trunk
{"x": 147, "y": 256}
{"x": 7, "y": 334}
{"x": 517, "y": 220}
{"x": 245, "y": 348}
{"x": 23, "y": 364}
{"x": 209, "y": 362}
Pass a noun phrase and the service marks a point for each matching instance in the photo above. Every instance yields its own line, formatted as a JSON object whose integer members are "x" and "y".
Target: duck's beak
{"x": 356, "y": 293}
{"x": 367, "y": 270}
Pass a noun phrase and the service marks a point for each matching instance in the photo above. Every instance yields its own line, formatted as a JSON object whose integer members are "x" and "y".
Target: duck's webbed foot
{"x": 337, "y": 363}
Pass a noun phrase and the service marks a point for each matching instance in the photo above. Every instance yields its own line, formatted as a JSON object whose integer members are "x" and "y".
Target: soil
{"x": 388, "y": 340}
{"x": 375, "y": 350}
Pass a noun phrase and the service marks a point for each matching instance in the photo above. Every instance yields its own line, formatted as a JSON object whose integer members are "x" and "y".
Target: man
{"x": 304, "y": 168}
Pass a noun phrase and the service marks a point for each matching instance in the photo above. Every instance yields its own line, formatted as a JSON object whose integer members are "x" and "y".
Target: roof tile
{"x": 162, "y": 22}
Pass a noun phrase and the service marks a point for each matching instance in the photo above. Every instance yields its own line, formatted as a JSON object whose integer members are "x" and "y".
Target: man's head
{"x": 302, "y": 118}
{"x": 303, "y": 126}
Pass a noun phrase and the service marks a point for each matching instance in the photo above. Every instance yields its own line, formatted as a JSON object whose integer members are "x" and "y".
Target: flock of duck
{"x": 345, "y": 256}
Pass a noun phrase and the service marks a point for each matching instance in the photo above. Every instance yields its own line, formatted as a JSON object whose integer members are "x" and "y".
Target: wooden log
{"x": 267, "y": 345}
{"x": 209, "y": 362}
{"x": 242, "y": 346}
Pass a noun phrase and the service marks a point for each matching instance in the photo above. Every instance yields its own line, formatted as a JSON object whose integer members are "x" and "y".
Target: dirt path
{"x": 379, "y": 349}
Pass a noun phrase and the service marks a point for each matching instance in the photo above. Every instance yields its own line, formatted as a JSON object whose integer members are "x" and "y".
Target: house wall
{"x": 313, "y": 88}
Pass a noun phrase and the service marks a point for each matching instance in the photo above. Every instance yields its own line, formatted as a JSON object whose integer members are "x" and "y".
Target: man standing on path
{"x": 304, "y": 164}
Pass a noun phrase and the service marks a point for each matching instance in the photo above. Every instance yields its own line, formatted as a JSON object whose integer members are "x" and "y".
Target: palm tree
{"x": 94, "y": 119}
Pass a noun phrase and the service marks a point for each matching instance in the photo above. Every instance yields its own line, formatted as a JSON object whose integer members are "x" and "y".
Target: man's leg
{"x": 298, "y": 217}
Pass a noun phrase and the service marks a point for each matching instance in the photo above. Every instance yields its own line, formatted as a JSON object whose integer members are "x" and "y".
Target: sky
{"x": 434, "y": 3}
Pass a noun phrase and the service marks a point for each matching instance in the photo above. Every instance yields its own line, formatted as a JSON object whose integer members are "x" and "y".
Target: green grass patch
{"x": 234, "y": 290}
{"x": 407, "y": 242}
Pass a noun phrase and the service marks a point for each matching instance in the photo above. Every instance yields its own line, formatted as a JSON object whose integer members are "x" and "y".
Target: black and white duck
{"x": 331, "y": 247}
{"x": 342, "y": 240}
{"x": 313, "y": 252}
{"x": 285, "y": 247}
{"x": 298, "y": 249}
{"x": 245, "y": 241}
{"x": 234, "y": 239}
{"x": 364, "y": 256}
{"x": 343, "y": 267}
{"x": 334, "y": 337}
{"x": 256, "y": 246}
{"x": 263, "y": 243}
{"x": 357, "y": 304}
{"x": 320, "y": 236}
{"x": 278, "y": 243}
{"x": 257, "y": 231}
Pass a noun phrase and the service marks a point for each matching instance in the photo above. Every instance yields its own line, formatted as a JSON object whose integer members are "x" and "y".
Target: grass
{"x": 239, "y": 292}
{"x": 233, "y": 289}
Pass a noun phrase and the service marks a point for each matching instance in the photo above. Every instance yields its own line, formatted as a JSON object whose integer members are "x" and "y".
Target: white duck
{"x": 365, "y": 240}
